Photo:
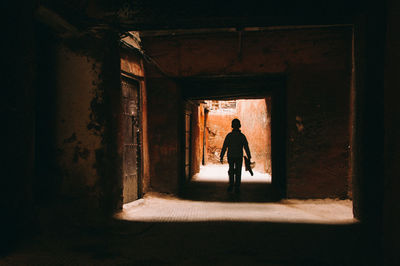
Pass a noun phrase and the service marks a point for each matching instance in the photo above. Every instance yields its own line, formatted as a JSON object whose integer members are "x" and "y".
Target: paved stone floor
{"x": 206, "y": 226}
{"x": 162, "y": 208}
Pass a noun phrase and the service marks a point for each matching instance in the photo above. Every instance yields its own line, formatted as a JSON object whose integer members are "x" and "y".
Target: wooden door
{"x": 131, "y": 140}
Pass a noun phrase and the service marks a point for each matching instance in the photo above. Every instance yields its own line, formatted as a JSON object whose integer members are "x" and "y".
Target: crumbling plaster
{"x": 80, "y": 159}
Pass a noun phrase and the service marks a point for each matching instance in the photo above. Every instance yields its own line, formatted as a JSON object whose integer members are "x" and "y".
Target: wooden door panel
{"x": 131, "y": 137}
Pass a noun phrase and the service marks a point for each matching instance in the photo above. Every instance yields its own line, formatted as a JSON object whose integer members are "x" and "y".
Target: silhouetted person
{"x": 235, "y": 141}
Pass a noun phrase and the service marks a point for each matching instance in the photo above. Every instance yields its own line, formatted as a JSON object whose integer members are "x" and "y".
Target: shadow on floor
{"x": 122, "y": 242}
{"x": 242, "y": 243}
{"x": 217, "y": 192}
{"x": 197, "y": 243}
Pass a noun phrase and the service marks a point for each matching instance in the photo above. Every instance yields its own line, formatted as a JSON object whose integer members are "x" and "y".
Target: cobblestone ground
{"x": 208, "y": 226}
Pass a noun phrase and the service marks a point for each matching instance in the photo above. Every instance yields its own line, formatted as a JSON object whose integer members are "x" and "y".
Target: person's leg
{"x": 231, "y": 173}
{"x": 238, "y": 173}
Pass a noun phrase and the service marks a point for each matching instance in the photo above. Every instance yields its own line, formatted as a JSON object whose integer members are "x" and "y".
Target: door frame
{"x": 188, "y": 112}
{"x": 250, "y": 87}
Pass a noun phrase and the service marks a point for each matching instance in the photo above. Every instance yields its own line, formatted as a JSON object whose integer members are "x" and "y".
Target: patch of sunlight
{"x": 157, "y": 207}
{"x": 219, "y": 173}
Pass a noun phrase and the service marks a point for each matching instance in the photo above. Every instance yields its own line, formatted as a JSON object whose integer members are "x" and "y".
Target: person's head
{"x": 236, "y": 123}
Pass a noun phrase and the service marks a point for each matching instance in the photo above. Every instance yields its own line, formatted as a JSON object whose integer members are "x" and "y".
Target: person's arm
{"x": 246, "y": 147}
{"x": 223, "y": 150}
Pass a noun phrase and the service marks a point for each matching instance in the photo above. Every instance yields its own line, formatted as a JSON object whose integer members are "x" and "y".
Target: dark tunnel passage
{"x": 115, "y": 113}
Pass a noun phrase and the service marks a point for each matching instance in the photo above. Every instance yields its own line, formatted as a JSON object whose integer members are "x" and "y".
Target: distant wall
{"x": 218, "y": 125}
{"x": 197, "y": 138}
{"x": 255, "y": 125}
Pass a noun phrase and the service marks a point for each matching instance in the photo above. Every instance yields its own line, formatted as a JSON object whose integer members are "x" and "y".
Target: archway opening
{"x": 207, "y": 123}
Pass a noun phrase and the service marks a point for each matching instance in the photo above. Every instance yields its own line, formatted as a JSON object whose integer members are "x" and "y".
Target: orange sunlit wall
{"x": 255, "y": 121}
{"x": 197, "y": 138}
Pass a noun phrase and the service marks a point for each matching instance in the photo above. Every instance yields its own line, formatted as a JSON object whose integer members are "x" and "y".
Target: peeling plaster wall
{"x": 317, "y": 63}
{"x": 78, "y": 163}
{"x": 76, "y": 77}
